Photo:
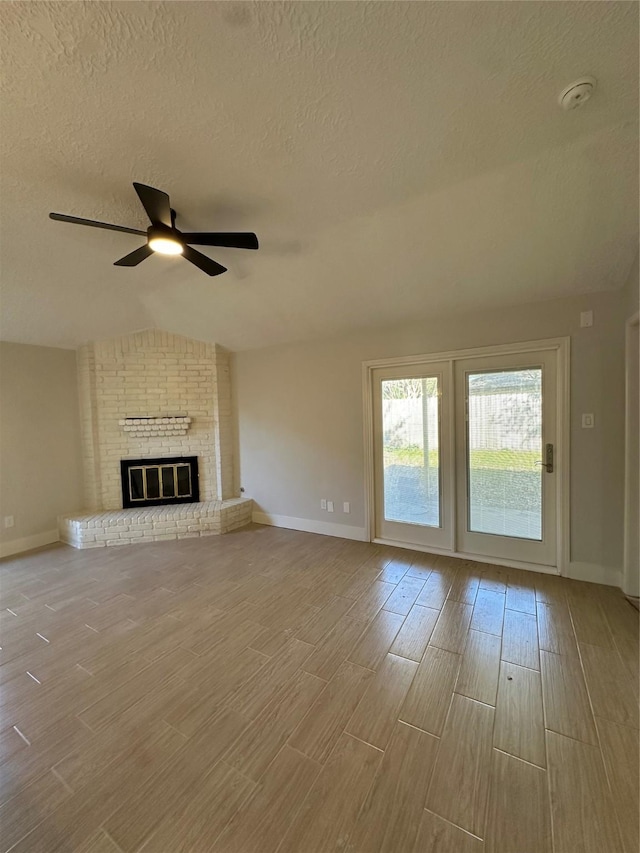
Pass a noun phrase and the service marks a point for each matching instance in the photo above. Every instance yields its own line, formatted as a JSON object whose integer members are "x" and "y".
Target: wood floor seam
{"x": 451, "y": 823}
{"x": 517, "y": 758}
{"x": 62, "y": 781}
{"x": 617, "y": 723}
{"x": 366, "y": 742}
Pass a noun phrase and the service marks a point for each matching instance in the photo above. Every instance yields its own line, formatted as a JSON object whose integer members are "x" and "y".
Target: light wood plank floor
{"x": 271, "y": 691}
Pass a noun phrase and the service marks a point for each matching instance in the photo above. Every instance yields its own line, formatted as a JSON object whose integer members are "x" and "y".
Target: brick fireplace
{"x": 154, "y": 395}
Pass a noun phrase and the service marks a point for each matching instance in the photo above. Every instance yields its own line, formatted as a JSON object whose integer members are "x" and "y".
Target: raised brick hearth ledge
{"x": 154, "y": 524}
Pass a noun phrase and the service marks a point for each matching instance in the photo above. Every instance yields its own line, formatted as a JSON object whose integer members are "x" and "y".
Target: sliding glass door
{"x": 465, "y": 455}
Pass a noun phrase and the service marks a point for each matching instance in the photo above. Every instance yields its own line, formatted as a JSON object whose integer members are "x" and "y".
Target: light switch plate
{"x": 588, "y": 421}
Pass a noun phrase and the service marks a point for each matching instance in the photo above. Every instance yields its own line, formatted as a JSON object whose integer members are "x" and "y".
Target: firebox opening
{"x": 156, "y": 482}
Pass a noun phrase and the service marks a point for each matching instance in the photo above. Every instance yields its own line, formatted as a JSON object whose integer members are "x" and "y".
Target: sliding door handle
{"x": 548, "y": 456}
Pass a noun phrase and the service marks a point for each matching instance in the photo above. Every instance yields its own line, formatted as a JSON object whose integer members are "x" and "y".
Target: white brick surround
{"x": 132, "y": 526}
{"x": 150, "y": 374}
{"x": 154, "y": 374}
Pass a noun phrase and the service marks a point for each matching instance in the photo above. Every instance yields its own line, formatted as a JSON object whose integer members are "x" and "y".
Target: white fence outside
{"x": 497, "y": 421}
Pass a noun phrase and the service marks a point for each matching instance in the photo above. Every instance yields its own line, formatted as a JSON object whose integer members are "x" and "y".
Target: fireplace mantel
{"x": 163, "y": 425}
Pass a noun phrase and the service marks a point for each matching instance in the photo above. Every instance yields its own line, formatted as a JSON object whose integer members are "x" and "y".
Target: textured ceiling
{"x": 396, "y": 160}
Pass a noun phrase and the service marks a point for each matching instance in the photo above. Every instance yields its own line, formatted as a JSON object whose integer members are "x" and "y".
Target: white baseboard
{"x": 8, "y": 549}
{"x": 594, "y": 573}
{"x": 590, "y": 572}
{"x": 343, "y": 531}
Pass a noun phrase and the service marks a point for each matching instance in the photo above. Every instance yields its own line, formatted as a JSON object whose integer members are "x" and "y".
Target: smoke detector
{"x": 577, "y": 93}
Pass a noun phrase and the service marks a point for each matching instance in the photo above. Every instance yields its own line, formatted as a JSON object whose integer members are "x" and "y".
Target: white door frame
{"x": 630, "y": 584}
{"x": 562, "y": 347}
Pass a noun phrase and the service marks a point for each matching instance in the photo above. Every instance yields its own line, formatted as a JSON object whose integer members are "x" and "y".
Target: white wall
{"x": 40, "y": 465}
{"x": 631, "y": 569}
{"x": 299, "y": 409}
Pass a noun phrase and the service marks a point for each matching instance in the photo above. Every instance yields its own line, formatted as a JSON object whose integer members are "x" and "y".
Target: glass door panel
{"x": 411, "y": 450}
{"x": 412, "y": 455}
{"x": 504, "y": 443}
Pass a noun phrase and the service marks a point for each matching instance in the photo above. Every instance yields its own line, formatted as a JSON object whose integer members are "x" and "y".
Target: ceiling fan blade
{"x": 62, "y": 217}
{"x": 134, "y": 258}
{"x": 203, "y": 262}
{"x": 246, "y": 240}
{"x": 156, "y": 203}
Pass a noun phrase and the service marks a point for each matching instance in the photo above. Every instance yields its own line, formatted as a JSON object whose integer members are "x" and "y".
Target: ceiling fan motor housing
{"x": 159, "y": 230}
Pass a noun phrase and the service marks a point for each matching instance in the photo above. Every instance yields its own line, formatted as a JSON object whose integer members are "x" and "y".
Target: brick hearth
{"x": 154, "y": 524}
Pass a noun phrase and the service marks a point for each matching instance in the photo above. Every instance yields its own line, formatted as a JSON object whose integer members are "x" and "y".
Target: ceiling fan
{"x": 164, "y": 237}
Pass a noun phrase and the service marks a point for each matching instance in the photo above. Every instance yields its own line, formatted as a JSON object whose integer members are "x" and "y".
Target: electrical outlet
{"x": 323, "y": 503}
{"x": 329, "y": 506}
{"x": 8, "y": 521}
{"x": 586, "y": 319}
{"x": 346, "y": 507}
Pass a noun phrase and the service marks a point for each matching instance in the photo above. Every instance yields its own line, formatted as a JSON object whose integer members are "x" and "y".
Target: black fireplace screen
{"x": 154, "y": 482}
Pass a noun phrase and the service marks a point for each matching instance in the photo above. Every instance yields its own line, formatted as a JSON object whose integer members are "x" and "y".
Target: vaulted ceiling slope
{"x": 396, "y": 160}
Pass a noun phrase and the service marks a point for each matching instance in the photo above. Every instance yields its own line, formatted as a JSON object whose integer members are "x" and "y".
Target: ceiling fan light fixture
{"x": 166, "y": 245}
